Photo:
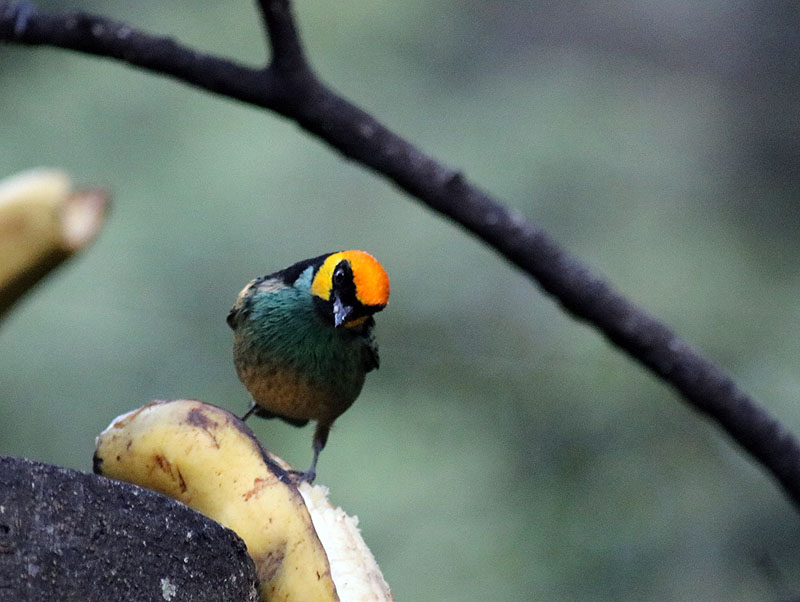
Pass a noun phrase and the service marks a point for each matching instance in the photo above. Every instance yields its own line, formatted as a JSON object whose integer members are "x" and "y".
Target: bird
{"x": 304, "y": 339}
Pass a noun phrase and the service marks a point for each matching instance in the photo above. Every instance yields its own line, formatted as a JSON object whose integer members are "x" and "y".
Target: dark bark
{"x": 289, "y": 87}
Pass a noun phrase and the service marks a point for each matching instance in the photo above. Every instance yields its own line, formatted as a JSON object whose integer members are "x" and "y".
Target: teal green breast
{"x": 291, "y": 360}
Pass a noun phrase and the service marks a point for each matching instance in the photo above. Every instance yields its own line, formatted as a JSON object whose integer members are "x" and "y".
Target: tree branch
{"x": 287, "y": 50}
{"x": 289, "y": 87}
{"x": 104, "y": 37}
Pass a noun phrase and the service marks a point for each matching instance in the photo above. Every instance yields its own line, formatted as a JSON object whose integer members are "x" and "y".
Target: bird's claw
{"x": 298, "y": 476}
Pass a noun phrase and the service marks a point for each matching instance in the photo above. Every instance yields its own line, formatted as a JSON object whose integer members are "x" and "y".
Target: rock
{"x": 69, "y": 536}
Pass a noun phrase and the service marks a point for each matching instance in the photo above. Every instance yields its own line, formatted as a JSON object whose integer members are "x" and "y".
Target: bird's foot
{"x": 298, "y": 476}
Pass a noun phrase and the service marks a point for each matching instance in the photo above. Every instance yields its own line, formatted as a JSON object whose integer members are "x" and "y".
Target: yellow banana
{"x": 43, "y": 221}
{"x": 207, "y": 458}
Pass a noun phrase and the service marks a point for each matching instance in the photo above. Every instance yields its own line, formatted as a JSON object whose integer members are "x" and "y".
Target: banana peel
{"x": 43, "y": 221}
{"x": 303, "y": 548}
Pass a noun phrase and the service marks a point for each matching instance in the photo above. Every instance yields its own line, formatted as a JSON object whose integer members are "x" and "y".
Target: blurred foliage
{"x": 503, "y": 451}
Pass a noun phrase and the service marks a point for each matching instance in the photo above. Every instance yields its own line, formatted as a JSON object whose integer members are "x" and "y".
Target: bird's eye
{"x": 338, "y": 277}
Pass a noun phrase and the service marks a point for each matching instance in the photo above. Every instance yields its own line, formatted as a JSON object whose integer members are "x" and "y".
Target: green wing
{"x": 372, "y": 358}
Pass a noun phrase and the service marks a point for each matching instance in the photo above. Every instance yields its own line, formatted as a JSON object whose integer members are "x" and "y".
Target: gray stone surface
{"x": 69, "y": 536}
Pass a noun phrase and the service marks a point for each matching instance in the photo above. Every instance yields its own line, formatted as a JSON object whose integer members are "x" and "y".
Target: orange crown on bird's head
{"x": 370, "y": 279}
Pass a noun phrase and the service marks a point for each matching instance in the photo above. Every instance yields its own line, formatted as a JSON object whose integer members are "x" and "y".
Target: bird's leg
{"x": 320, "y": 439}
{"x": 253, "y": 407}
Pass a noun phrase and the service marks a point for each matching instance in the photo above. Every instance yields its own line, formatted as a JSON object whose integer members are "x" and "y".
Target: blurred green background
{"x": 503, "y": 451}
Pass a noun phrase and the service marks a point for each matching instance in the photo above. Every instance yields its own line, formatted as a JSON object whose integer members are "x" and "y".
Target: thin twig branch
{"x": 287, "y": 49}
{"x": 289, "y": 87}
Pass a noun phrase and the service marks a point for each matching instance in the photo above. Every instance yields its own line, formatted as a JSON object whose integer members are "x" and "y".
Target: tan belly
{"x": 284, "y": 392}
